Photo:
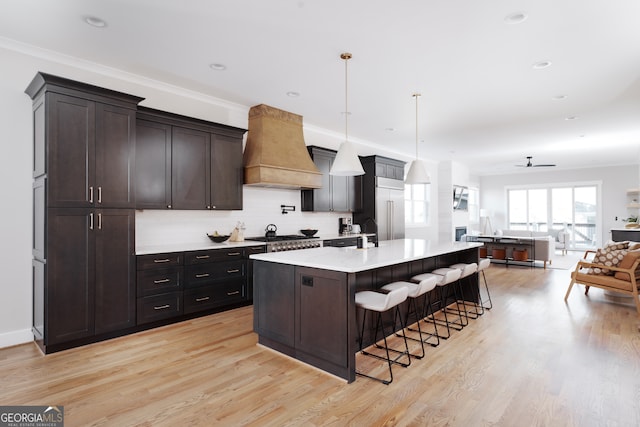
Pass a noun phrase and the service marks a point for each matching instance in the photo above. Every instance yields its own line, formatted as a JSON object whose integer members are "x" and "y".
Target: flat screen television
{"x": 460, "y": 198}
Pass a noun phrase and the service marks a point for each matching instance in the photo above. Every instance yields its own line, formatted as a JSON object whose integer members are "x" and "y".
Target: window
{"x": 569, "y": 208}
{"x": 416, "y": 204}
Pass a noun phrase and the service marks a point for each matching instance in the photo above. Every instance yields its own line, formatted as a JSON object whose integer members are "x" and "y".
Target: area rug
{"x": 565, "y": 262}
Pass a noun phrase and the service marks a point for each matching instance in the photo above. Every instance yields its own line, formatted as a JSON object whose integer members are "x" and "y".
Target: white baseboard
{"x": 9, "y": 339}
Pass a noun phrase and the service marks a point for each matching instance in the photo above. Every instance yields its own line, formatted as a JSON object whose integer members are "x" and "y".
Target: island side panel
{"x": 322, "y": 320}
{"x": 273, "y": 305}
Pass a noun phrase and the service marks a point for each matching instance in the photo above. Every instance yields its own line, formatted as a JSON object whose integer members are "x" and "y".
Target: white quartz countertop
{"x": 353, "y": 260}
{"x": 193, "y": 246}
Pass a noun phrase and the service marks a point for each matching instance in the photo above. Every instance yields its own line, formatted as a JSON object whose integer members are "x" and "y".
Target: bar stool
{"x": 445, "y": 277}
{"x": 466, "y": 271}
{"x": 416, "y": 290}
{"x": 482, "y": 266}
{"x": 379, "y": 303}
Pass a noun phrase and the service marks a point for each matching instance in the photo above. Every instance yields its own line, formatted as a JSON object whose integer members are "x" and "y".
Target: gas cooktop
{"x": 280, "y": 238}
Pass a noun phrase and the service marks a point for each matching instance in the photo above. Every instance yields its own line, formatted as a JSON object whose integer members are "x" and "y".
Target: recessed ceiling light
{"x": 94, "y": 21}
{"x": 218, "y": 67}
{"x": 559, "y": 97}
{"x": 515, "y": 18}
{"x": 541, "y": 64}
{"x": 571, "y": 118}
{"x": 390, "y": 129}
{"x": 293, "y": 94}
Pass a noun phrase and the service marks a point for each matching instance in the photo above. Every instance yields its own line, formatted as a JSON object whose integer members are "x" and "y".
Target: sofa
{"x": 560, "y": 237}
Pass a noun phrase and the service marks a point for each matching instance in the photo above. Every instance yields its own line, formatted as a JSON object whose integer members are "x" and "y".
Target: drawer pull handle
{"x": 233, "y": 271}
{"x": 202, "y": 256}
{"x": 233, "y": 253}
{"x": 157, "y": 282}
{"x": 233, "y": 293}
{"x": 159, "y": 261}
{"x": 202, "y": 299}
{"x": 161, "y": 307}
{"x": 200, "y": 276}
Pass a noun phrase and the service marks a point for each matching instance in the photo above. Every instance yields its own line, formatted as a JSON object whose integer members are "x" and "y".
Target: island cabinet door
{"x": 321, "y": 314}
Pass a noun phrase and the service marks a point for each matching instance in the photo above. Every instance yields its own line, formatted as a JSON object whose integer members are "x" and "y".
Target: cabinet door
{"x": 69, "y": 290}
{"x": 340, "y": 193}
{"x": 153, "y": 165}
{"x": 226, "y": 172}
{"x": 319, "y": 200}
{"x": 115, "y": 157}
{"x": 190, "y": 169}
{"x": 115, "y": 290}
{"x": 71, "y": 140}
{"x": 321, "y": 314}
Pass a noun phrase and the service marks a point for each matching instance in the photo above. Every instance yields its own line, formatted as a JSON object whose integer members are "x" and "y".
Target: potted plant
{"x": 632, "y": 222}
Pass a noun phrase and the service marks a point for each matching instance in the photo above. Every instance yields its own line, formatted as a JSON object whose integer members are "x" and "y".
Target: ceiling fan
{"x": 531, "y": 165}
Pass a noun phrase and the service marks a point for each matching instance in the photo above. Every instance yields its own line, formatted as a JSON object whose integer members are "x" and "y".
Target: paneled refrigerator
{"x": 383, "y": 198}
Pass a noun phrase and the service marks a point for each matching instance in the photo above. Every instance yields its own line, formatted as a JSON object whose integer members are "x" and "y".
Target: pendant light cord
{"x": 346, "y": 57}
{"x": 416, "y": 95}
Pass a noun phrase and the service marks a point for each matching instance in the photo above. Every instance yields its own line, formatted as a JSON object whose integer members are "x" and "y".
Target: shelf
{"x": 632, "y": 191}
{"x": 633, "y": 205}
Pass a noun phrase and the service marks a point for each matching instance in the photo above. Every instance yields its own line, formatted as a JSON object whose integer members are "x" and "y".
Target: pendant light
{"x": 417, "y": 171}
{"x": 346, "y": 162}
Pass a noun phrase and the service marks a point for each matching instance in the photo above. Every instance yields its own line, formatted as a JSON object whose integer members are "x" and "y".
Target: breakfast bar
{"x": 304, "y": 301}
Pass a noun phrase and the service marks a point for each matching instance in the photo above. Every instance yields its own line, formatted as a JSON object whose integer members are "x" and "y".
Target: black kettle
{"x": 270, "y": 231}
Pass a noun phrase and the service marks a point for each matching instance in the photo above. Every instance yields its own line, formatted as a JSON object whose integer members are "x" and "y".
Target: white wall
{"x": 614, "y": 182}
{"x": 261, "y": 205}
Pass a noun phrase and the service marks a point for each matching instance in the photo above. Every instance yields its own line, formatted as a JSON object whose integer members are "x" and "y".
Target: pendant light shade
{"x": 346, "y": 162}
{"x": 417, "y": 171}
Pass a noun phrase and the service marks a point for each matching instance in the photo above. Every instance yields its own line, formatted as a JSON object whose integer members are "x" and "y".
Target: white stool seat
{"x": 484, "y": 263}
{"x": 449, "y": 275}
{"x": 415, "y": 289}
{"x": 376, "y": 301}
{"x": 466, "y": 269}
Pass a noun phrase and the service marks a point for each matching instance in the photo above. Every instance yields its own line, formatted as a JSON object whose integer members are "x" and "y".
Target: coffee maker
{"x": 344, "y": 225}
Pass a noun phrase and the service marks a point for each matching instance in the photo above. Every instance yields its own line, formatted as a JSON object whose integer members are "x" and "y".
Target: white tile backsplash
{"x": 261, "y": 207}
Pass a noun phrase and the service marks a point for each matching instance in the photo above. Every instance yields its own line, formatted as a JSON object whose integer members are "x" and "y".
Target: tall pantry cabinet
{"x": 84, "y": 200}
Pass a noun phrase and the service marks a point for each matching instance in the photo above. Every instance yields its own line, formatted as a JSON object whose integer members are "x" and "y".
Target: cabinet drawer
{"x": 206, "y": 297}
{"x": 214, "y": 255}
{"x": 145, "y": 262}
{"x": 249, "y": 250}
{"x": 352, "y": 241}
{"x": 159, "y": 281}
{"x": 159, "y": 307}
{"x": 204, "y": 274}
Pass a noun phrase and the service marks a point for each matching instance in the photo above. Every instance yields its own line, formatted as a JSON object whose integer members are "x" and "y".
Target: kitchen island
{"x": 304, "y": 301}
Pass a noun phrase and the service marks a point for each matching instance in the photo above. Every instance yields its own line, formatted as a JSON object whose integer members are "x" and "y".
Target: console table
{"x": 509, "y": 245}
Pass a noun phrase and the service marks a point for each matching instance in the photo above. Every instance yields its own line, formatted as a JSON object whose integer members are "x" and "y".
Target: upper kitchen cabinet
{"x": 338, "y": 193}
{"x": 84, "y": 143}
{"x": 186, "y": 163}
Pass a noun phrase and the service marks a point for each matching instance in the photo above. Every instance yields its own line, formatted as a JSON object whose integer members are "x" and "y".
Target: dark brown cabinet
{"x": 159, "y": 286}
{"x": 84, "y": 227}
{"x": 91, "y": 153}
{"x": 90, "y": 273}
{"x": 185, "y": 163}
{"x": 173, "y": 286}
{"x": 338, "y": 193}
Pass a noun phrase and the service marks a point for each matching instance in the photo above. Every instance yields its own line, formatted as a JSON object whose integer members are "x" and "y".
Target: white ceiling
{"x": 482, "y": 102}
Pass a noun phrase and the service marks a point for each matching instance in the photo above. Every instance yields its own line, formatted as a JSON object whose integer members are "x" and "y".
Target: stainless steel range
{"x": 289, "y": 242}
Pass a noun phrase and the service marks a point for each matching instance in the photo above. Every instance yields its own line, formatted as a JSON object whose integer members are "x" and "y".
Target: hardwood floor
{"x": 530, "y": 361}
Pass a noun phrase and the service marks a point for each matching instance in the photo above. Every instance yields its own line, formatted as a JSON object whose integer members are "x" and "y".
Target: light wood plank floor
{"x": 531, "y": 361}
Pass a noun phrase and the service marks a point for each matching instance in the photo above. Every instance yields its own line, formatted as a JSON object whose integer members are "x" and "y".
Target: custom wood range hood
{"x": 275, "y": 154}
